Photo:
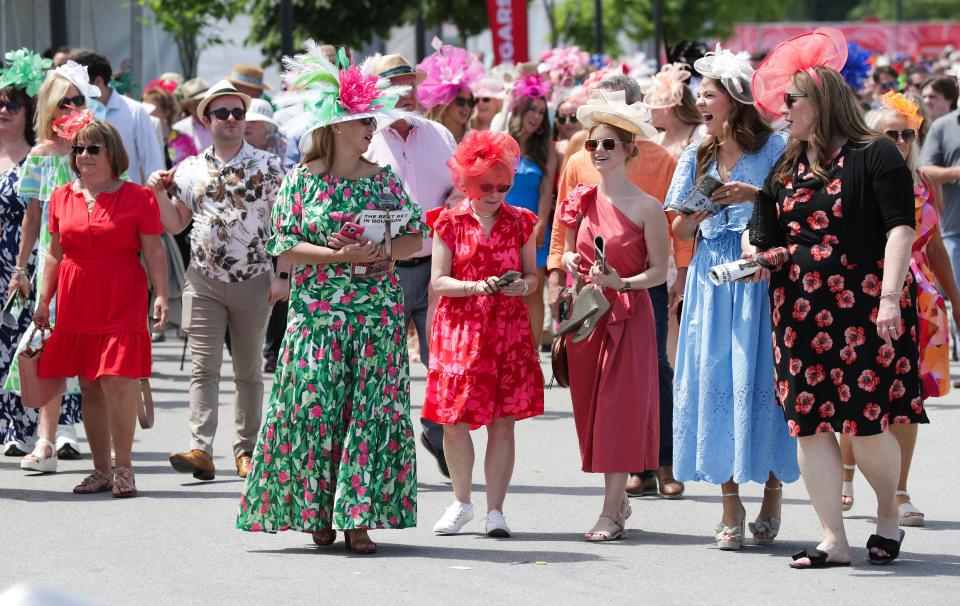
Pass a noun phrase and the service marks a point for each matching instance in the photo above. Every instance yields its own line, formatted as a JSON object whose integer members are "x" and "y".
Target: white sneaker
{"x": 454, "y": 518}
{"x": 496, "y": 525}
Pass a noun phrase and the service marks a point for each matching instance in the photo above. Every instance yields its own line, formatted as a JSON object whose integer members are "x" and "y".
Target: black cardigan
{"x": 876, "y": 195}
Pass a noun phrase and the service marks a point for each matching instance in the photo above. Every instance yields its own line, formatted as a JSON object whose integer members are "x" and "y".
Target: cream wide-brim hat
{"x": 610, "y": 107}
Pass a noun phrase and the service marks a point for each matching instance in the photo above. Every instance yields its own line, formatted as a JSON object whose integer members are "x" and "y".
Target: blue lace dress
{"x": 17, "y": 424}
{"x": 525, "y": 193}
{"x": 726, "y": 420}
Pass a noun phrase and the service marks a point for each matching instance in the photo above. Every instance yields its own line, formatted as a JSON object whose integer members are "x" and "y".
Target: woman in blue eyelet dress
{"x": 728, "y": 428}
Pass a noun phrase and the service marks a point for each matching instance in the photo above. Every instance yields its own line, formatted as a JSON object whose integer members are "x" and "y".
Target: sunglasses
{"x": 561, "y": 120}
{"x": 485, "y": 99}
{"x": 487, "y": 188}
{"x": 460, "y": 102}
{"x": 369, "y": 121}
{"x": 885, "y": 86}
{"x": 78, "y": 101}
{"x": 223, "y": 113}
{"x": 12, "y": 107}
{"x": 790, "y": 98}
{"x": 592, "y": 144}
{"x": 908, "y": 135}
{"x": 92, "y": 149}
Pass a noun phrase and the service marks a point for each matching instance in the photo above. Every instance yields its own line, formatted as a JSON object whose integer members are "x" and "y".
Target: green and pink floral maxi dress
{"x": 336, "y": 448}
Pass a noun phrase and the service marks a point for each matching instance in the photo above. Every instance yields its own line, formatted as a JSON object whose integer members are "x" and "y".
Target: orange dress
{"x": 613, "y": 373}
{"x": 101, "y": 286}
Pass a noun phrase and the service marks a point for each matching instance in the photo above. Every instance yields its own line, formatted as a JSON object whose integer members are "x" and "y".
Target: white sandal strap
{"x": 730, "y": 494}
{"x": 847, "y": 490}
{"x": 850, "y": 467}
{"x": 903, "y": 493}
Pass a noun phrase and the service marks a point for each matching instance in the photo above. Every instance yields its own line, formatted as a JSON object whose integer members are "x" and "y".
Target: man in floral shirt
{"x": 228, "y": 191}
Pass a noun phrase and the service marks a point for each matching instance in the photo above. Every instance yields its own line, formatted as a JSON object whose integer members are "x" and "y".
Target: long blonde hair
{"x": 838, "y": 115}
{"x": 51, "y": 92}
{"x": 322, "y": 146}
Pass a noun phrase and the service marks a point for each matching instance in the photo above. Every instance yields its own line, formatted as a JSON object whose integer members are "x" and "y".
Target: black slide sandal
{"x": 889, "y": 545}
{"x": 818, "y": 559}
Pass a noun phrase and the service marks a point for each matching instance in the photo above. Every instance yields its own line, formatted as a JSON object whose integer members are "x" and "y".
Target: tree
{"x": 559, "y": 29}
{"x": 469, "y": 16}
{"x": 681, "y": 19}
{"x": 911, "y": 10}
{"x": 350, "y": 23}
{"x": 189, "y": 22}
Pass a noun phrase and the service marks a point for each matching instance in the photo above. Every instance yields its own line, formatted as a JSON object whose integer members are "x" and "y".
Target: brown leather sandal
{"x": 123, "y": 483}
{"x": 325, "y": 537}
{"x": 359, "y": 545}
{"x": 93, "y": 483}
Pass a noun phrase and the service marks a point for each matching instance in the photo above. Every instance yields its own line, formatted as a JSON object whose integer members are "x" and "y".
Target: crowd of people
{"x": 374, "y": 213}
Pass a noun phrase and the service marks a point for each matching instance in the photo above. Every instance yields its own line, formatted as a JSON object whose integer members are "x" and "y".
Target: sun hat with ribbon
{"x": 733, "y": 70}
{"x": 77, "y": 75}
{"x": 223, "y": 88}
{"x": 610, "y": 107}
{"x": 260, "y": 111}
{"x": 25, "y": 70}
{"x": 449, "y": 70}
{"x": 823, "y": 47}
{"x": 329, "y": 94}
{"x": 666, "y": 90}
{"x": 245, "y": 74}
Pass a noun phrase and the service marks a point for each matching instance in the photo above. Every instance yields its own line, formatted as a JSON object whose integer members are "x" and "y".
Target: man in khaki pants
{"x": 228, "y": 191}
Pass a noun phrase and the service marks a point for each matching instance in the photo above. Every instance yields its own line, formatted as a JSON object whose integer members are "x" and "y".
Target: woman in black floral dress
{"x": 844, "y": 305}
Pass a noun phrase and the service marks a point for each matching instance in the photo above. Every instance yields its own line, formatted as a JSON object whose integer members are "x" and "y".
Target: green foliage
{"x": 682, "y": 19}
{"x": 911, "y": 10}
{"x": 348, "y": 23}
{"x": 189, "y": 21}
{"x": 470, "y": 16}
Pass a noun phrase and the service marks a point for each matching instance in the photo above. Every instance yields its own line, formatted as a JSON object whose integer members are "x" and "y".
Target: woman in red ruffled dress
{"x": 99, "y": 224}
{"x": 484, "y": 369}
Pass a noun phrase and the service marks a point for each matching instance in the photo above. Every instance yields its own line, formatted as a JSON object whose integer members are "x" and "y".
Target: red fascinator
{"x": 168, "y": 85}
{"x": 824, "y": 47}
{"x": 481, "y": 151}
{"x": 70, "y": 124}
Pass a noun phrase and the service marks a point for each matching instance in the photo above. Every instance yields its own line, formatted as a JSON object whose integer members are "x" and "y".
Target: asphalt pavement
{"x": 176, "y": 542}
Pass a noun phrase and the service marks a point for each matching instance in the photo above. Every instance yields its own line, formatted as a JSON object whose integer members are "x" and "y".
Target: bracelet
{"x": 891, "y": 294}
{"x": 20, "y": 270}
{"x": 526, "y": 288}
{"x": 626, "y": 286}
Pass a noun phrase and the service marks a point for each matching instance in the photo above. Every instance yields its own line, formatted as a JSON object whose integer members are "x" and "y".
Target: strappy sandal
{"x": 818, "y": 559}
{"x": 602, "y": 536}
{"x": 908, "y": 513}
{"x": 124, "y": 486}
{"x": 891, "y": 546}
{"x": 325, "y": 537}
{"x": 846, "y": 493}
{"x": 358, "y": 546}
{"x": 729, "y": 538}
{"x": 94, "y": 483}
{"x": 768, "y": 527}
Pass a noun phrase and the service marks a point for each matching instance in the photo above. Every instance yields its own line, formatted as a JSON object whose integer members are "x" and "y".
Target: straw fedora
{"x": 610, "y": 107}
{"x": 245, "y": 74}
{"x": 222, "y": 89}
{"x": 193, "y": 90}
{"x": 391, "y": 66}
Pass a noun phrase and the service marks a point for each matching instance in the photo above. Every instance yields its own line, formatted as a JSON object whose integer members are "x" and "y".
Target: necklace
{"x": 476, "y": 214}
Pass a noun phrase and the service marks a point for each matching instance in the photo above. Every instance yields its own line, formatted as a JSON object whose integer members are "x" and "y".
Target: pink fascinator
{"x": 824, "y": 47}
{"x": 70, "y": 124}
{"x": 667, "y": 88}
{"x": 532, "y": 86}
{"x": 449, "y": 70}
{"x": 479, "y": 151}
{"x": 563, "y": 65}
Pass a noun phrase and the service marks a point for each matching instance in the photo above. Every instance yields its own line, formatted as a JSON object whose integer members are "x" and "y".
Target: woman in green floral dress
{"x": 336, "y": 449}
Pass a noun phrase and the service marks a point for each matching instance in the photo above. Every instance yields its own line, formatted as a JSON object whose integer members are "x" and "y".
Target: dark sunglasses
{"x": 908, "y": 135}
{"x": 790, "y": 98}
{"x": 592, "y": 144}
{"x": 885, "y": 86}
{"x": 223, "y": 113}
{"x": 12, "y": 107}
{"x": 485, "y": 99}
{"x": 561, "y": 120}
{"x": 460, "y": 102}
{"x": 78, "y": 101}
{"x": 92, "y": 149}
{"x": 369, "y": 121}
{"x": 488, "y": 188}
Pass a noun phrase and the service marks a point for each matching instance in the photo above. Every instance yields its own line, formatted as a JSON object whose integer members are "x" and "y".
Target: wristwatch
{"x": 284, "y": 275}
{"x": 626, "y": 287}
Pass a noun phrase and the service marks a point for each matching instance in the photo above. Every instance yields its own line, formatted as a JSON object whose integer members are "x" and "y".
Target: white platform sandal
{"x": 38, "y": 461}
{"x": 846, "y": 493}
{"x": 909, "y": 514}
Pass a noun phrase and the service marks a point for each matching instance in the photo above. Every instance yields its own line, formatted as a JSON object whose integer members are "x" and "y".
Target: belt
{"x": 415, "y": 262}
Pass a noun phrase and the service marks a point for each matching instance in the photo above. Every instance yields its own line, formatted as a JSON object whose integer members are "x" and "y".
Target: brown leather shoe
{"x": 635, "y": 486}
{"x": 244, "y": 462}
{"x": 670, "y": 488}
{"x": 197, "y": 462}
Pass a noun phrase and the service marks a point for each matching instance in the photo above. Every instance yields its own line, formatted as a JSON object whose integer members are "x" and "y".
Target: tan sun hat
{"x": 193, "y": 90}
{"x": 610, "y": 107}
{"x": 391, "y": 66}
{"x": 245, "y": 74}
{"x": 222, "y": 88}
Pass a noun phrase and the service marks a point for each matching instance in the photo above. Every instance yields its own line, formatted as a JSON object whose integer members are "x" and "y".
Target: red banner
{"x": 908, "y": 38}
{"x": 508, "y": 24}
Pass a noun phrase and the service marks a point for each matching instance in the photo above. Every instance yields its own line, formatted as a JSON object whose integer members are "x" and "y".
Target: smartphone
{"x": 599, "y": 256}
{"x": 351, "y": 230}
{"x": 508, "y": 278}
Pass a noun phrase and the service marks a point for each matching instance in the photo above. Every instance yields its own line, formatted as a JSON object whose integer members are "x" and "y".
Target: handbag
{"x": 558, "y": 361}
{"x": 589, "y": 305}
{"x": 145, "y": 405}
{"x": 37, "y": 391}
